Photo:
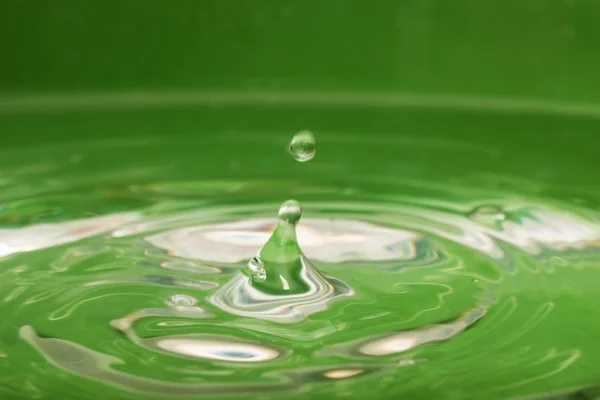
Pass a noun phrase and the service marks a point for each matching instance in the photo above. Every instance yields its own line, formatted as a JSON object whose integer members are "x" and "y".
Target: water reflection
{"x": 217, "y": 349}
{"x": 240, "y": 297}
{"x": 384, "y": 308}
{"x": 41, "y": 236}
{"x": 342, "y": 373}
{"x": 94, "y": 365}
{"x": 391, "y": 344}
{"x": 332, "y": 241}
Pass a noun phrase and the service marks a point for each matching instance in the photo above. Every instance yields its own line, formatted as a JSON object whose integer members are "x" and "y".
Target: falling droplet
{"x": 488, "y": 215}
{"x": 302, "y": 146}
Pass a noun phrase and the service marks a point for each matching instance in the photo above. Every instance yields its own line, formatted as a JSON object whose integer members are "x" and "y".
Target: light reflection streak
{"x": 67, "y": 310}
{"x": 440, "y": 296}
{"x": 404, "y": 341}
{"x": 554, "y": 231}
{"x": 332, "y": 241}
{"x": 87, "y": 363}
{"x": 177, "y": 308}
{"x": 239, "y": 297}
{"x": 42, "y": 236}
{"x": 565, "y": 358}
{"x": 397, "y": 343}
{"x": 342, "y": 373}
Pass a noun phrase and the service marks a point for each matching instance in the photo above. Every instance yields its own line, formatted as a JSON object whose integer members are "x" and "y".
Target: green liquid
{"x": 458, "y": 250}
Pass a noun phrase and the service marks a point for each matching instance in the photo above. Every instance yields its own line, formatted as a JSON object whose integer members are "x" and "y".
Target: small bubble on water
{"x": 487, "y": 215}
{"x": 255, "y": 264}
{"x": 302, "y": 146}
{"x": 290, "y": 212}
{"x": 260, "y": 275}
{"x": 256, "y": 269}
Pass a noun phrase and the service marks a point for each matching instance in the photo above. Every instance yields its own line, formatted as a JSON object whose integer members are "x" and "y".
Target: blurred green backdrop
{"x": 535, "y": 49}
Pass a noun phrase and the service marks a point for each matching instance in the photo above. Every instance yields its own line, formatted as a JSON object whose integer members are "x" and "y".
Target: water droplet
{"x": 488, "y": 215}
{"x": 260, "y": 275}
{"x": 290, "y": 212}
{"x": 475, "y": 280}
{"x": 302, "y": 146}
{"x": 256, "y": 269}
{"x": 255, "y": 264}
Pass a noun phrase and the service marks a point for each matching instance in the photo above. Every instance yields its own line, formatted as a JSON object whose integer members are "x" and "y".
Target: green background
{"x": 541, "y": 49}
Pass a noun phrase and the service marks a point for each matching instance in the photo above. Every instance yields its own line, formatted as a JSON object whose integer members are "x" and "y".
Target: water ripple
{"x": 398, "y": 291}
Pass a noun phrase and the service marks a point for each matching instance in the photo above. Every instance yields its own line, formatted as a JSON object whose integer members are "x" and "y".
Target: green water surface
{"x": 105, "y": 293}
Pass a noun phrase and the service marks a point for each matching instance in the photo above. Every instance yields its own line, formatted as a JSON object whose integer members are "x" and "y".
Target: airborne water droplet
{"x": 302, "y": 146}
